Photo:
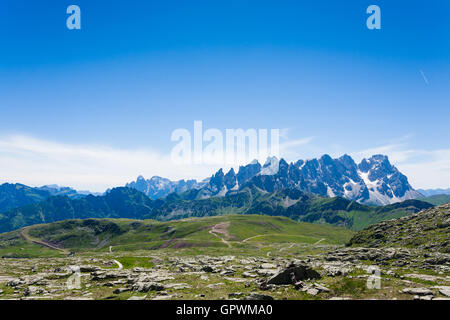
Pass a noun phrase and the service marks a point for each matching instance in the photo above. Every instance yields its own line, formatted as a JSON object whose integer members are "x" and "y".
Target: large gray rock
{"x": 147, "y": 286}
{"x": 89, "y": 268}
{"x": 418, "y": 291}
{"x": 312, "y": 291}
{"x": 445, "y": 291}
{"x": 292, "y": 274}
{"x": 121, "y": 290}
{"x": 31, "y": 290}
{"x": 108, "y": 275}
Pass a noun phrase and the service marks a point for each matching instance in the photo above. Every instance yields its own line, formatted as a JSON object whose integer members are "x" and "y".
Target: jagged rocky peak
{"x": 230, "y": 179}
{"x": 158, "y": 187}
{"x": 385, "y": 183}
{"x": 376, "y": 164}
{"x": 299, "y": 163}
{"x": 247, "y": 172}
{"x": 270, "y": 167}
{"x": 374, "y": 180}
{"x": 220, "y": 183}
{"x": 216, "y": 182}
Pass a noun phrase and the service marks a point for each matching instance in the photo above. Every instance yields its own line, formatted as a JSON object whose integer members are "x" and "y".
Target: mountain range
{"x": 129, "y": 203}
{"x": 18, "y": 195}
{"x": 325, "y": 190}
{"x": 373, "y": 181}
{"x": 433, "y": 192}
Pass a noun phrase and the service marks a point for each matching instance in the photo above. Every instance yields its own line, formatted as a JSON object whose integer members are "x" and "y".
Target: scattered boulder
{"x": 268, "y": 266}
{"x": 31, "y": 291}
{"x": 321, "y": 288}
{"x": 121, "y": 290}
{"x": 312, "y": 291}
{"x": 14, "y": 283}
{"x": 235, "y": 294}
{"x": 207, "y": 269}
{"x": 248, "y": 275}
{"x": 227, "y": 273}
{"x": 105, "y": 275}
{"x": 294, "y": 273}
{"x": 147, "y": 286}
{"x": 445, "y": 291}
{"x": 89, "y": 268}
{"x": 418, "y": 291}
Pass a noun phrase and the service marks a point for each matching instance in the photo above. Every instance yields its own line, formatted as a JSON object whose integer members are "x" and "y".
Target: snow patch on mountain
{"x": 270, "y": 167}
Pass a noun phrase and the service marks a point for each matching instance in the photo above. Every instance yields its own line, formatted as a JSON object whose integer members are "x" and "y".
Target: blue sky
{"x": 95, "y": 107}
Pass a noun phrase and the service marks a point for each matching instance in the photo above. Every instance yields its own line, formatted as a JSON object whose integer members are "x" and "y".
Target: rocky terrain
{"x": 429, "y": 230}
{"x": 227, "y": 257}
{"x": 290, "y": 272}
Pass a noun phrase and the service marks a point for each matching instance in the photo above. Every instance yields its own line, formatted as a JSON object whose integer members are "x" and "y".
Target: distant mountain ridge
{"x": 129, "y": 203}
{"x": 158, "y": 187}
{"x": 372, "y": 181}
{"x": 56, "y": 190}
{"x": 117, "y": 203}
{"x": 18, "y": 195}
{"x": 433, "y": 192}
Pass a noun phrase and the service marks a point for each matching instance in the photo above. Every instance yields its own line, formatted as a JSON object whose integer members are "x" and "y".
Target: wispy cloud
{"x": 290, "y": 147}
{"x": 36, "y": 162}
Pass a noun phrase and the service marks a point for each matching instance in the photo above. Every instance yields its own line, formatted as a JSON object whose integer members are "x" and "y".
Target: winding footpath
{"x": 222, "y": 239}
{"x": 119, "y": 264}
{"x": 25, "y": 234}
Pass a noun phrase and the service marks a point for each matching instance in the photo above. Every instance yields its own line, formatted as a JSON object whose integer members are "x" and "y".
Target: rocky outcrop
{"x": 293, "y": 273}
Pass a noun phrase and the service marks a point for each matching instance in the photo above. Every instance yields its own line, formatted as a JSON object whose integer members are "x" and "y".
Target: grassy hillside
{"x": 437, "y": 199}
{"x": 428, "y": 229}
{"x": 290, "y": 203}
{"x": 124, "y": 234}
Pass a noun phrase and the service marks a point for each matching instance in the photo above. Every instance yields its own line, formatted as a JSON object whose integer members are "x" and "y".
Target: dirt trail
{"x": 261, "y": 235}
{"x": 278, "y": 234}
{"x": 291, "y": 246}
{"x": 221, "y": 228}
{"x": 320, "y": 241}
{"x": 24, "y": 233}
